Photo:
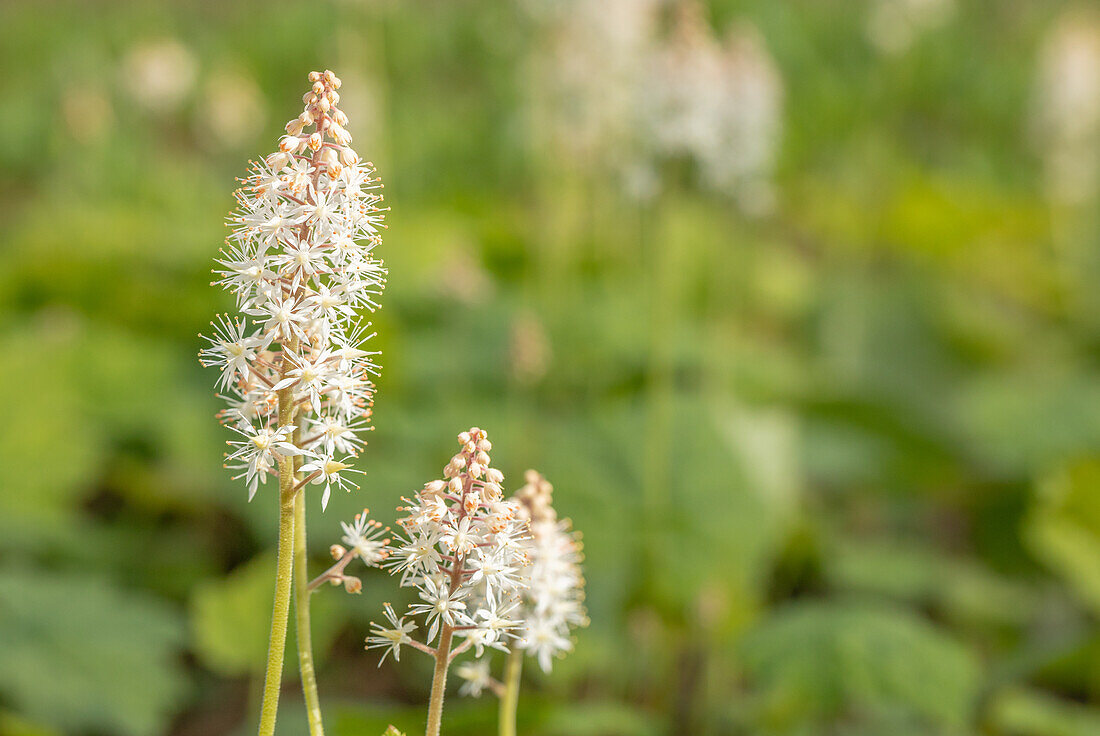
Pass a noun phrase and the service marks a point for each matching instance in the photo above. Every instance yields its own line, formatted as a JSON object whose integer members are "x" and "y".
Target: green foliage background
{"x": 838, "y": 469}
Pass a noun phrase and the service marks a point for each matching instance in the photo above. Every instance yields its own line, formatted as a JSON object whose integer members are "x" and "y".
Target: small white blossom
{"x": 231, "y": 350}
{"x": 441, "y": 604}
{"x": 363, "y": 538}
{"x": 257, "y": 448}
{"x": 329, "y": 471}
{"x": 476, "y": 677}
{"x": 390, "y": 638}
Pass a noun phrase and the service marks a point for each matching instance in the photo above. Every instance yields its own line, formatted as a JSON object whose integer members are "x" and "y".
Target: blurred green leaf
{"x": 83, "y": 656}
{"x": 818, "y": 662}
{"x": 920, "y": 575}
{"x": 1030, "y": 713}
{"x": 53, "y": 453}
{"x": 1027, "y": 420}
{"x": 13, "y": 725}
{"x": 231, "y": 618}
{"x": 597, "y": 719}
{"x": 1063, "y": 527}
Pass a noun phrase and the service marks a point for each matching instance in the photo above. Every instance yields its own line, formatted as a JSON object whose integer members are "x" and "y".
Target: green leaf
{"x": 1029, "y": 713}
{"x": 80, "y": 655}
{"x": 231, "y": 618}
{"x": 597, "y": 719}
{"x": 915, "y": 573}
{"x": 13, "y": 725}
{"x": 815, "y": 662}
{"x": 1028, "y": 420}
{"x": 50, "y": 459}
{"x": 1063, "y": 527}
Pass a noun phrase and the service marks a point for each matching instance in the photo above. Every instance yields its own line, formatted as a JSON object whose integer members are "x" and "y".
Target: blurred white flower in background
{"x": 553, "y": 582}
{"x": 621, "y": 94}
{"x": 159, "y": 74}
{"x": 718, "y": 104}
{"x": 231, "y": 110}
{"x": 529, "y": 349}
{"x": 87, "y": 112}
{"x": 461, "y": 277}
{"x": 894, "y": 25}
{"x": 586, "y": 68}
{"x": 1066, "y": 107}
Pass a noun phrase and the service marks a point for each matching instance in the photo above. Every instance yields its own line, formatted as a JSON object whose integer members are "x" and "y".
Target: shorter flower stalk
{"x": 509, "y": 697}
{"x": 492, "y": 572}
{"x": 302, "y": 595}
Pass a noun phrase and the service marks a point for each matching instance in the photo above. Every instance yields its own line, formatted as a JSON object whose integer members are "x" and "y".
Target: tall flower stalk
{"x": 463, "y": 548}
{"x": 551, "y": 605}
{"x": 295, "y": 374}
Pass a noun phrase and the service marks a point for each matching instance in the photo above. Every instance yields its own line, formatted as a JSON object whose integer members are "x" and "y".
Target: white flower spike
{"x": 300, "y": 264}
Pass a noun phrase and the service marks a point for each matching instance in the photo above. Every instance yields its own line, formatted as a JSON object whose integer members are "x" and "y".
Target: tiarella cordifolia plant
{"x": 552, "y": 602}
{"x": 294, "y": 368}
{"x": 464, "y": 549}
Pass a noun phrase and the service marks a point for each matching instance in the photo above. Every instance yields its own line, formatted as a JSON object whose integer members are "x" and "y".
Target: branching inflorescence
{"x": 295, "y": 372}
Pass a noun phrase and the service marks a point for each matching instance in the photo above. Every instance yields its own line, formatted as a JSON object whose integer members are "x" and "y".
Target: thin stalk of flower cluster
{"x": 288, "y": 493}
{"x": 302, "y": 595}
{"x": 509, "y": 699}
{"x": 307, "y": 671}
{"x": 443, "y": 649}
{"x": 284, "y": 571}
{"x": 439, "y": 681}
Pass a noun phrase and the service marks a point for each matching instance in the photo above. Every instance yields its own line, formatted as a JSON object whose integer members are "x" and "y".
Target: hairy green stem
{"x": 281, "y": 609}
{"x": 284, "y": 571}
{"x": 302, "y": 595}
{"x": 439, "y": 681}
{"x": 509, "y": 699}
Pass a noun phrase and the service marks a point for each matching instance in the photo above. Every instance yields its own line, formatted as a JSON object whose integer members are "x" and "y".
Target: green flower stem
{"x": 509, "y": 699}
{"x": 439, "y": 681}
{"x": 302, "y": 595}
{"x": 283, "y": 574}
